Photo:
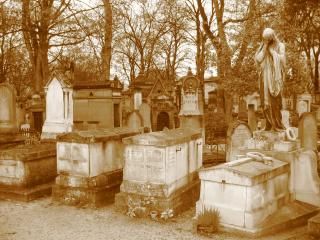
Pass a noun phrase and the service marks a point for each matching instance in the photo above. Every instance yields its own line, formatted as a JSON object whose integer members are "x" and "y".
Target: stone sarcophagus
{"x": 160, "y": 172}
{"x": 89, "y": 165}
{"x": 245, "y": 192}
{"x": 27, "y": 171}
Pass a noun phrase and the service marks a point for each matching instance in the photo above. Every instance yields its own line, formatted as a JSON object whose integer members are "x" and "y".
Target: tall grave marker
{"x": 190, "y": 115}
{"x": 7, "y": 108}
{"x": 59, "y": 109}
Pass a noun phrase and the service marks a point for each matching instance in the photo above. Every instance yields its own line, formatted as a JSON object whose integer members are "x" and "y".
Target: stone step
{"x": 314, "y": 226}
{"x": 25, "y": 194}
{"x": 292, "y": 215}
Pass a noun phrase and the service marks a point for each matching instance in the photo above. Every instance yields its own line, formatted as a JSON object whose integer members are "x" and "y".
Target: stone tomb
{"x": 59, "y": 109}
{"x": 89, "y": 165}
{"x": 237, "y": 136}
{"x": 252, "y": 196}
{"x": 27, "y": 171}
{"x": 301, "y": 153}
{"x": 7, "y": 108}
{"x": 162, "y": 167}
{"x": 245, "y": 192}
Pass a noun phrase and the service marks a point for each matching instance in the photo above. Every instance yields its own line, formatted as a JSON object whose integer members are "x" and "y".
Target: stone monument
{"x": 89, "y": 165}
{"x": 7, "y": 108}
{"x": 160, "y": 172}
{"x": 190, "y": 115}
{"x": 59, "y": 108}
{"x": 276, "y": 166}
{"x": 9, "y": 135}
{"x": 145, "y": 112}
{"x": 27, "y": 171}
{"x": 237, "y": 136}
{"x": 304, "y": 103}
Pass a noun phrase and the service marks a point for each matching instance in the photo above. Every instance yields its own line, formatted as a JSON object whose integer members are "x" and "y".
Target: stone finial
{"x": 189, "y": 72}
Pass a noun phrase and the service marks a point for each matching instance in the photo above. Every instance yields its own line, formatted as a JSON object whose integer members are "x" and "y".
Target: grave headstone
{"x": 135, "y": 120}
{"x": 302, "y": 107}
{"x": 285, "y": 118}
{"x": 7, "y": 108}
{"x": 145, "y": 112}
{"x": 308, "y": 131}
{"x": 59, "y": 109}
{"x": 252, "y": 119}
{"x": 304, "y": 103}
{"x": 237, "y": 135}
{"x": 190, "y": 109}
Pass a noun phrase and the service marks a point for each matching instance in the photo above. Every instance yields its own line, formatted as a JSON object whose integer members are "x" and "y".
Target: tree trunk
{"x": 106, "y": 48}
{"x": 36, "y": 39}
{"x": 316, "y": 72}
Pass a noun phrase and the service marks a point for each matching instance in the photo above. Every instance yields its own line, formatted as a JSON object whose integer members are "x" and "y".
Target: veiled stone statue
{"x": 270, "y": 59}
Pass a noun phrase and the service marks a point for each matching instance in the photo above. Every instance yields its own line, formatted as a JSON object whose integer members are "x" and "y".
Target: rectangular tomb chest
{"x": 27, "y": 171}
{"x": 89, "y": 165}
{"x": 162, "y": 165}
{"x": 245, "y": 191}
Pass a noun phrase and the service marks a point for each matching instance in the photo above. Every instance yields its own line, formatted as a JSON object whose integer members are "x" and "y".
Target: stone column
{"x": 65, "y": 103}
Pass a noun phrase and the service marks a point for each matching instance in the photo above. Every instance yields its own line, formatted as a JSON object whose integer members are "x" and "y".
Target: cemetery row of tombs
{"x": 268, "y": 182}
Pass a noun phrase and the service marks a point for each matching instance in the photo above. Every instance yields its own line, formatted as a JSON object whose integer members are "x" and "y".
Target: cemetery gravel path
{"x": 43, "y": 220}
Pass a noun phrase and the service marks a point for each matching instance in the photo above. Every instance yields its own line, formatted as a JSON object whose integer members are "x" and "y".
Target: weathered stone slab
{"x": 27, "y": 171}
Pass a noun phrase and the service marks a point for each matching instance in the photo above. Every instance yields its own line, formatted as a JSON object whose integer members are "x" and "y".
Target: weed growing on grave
{"x": 208, "y": 221}
{"x": 140, "y": 206}
{"x": 166, "y": 214}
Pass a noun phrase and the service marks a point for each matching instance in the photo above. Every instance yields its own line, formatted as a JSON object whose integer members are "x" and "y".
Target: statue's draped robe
{"x": 271, "y": 78}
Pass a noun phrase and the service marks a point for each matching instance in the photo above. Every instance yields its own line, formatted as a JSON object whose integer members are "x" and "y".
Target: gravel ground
{"x": 43, "y": 220}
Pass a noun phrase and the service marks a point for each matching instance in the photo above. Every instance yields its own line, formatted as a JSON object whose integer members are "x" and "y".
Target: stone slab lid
{"x": 164, "y": 138}
{"x": 26, "y": 153}
{"x": 244, "y": 172}
{"x": 99, "y": 135}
